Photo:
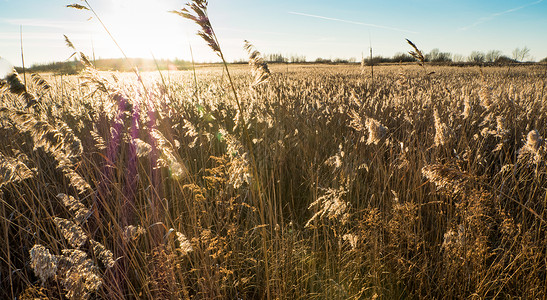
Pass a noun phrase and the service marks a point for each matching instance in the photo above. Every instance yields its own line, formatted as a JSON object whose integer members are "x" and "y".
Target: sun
{"x": 140, "y": 28}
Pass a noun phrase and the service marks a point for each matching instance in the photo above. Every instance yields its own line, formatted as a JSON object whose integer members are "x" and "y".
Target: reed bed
{"x": 308, "y": 182}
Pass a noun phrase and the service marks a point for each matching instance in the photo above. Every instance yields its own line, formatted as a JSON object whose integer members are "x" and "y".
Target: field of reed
{"x": 274, "y": 182}
{"x": 322, "y": 183}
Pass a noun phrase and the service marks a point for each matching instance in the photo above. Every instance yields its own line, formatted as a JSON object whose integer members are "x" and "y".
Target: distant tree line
{"x": 434, "y": 56}
{"x": 280, "y": 58}
{"x": 111, "y": 64}
{"x": 475, "y": 57}
{"x": 63, "y": 67}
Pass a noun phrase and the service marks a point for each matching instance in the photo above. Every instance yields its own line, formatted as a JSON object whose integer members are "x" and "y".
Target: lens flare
{"x": 6, "y": 68}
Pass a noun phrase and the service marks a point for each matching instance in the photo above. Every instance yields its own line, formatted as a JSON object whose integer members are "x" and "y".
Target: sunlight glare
{"x": 6, "y": 68}
{"x": 142, "y": 28}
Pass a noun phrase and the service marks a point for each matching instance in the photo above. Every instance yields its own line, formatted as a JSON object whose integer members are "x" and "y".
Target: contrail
{"x": 493, "y": 16}
{"x": 352, "y": 22}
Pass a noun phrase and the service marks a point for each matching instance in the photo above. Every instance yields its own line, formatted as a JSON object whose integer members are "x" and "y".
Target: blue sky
{"x": 313, "y": 28}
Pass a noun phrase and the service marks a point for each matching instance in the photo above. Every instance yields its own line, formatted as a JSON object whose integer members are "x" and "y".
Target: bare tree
{"x": 458, "y": 58}
{"x": 436, "y": 55}
{"x": 493, "y": 55}
{"x": 402, "y": 57}
{"x": 521, "y": 54}
{"x": 476, "y": 57}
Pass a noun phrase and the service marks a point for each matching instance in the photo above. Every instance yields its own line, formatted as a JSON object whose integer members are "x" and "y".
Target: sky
{"x": 312, "y": 28}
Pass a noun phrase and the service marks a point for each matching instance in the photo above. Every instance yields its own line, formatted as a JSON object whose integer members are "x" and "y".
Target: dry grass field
{"x": 320, "y": 183}
{"x": 274, "y": 182}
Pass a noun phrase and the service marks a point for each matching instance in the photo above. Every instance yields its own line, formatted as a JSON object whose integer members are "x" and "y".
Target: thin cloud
{"x": 41, "y": 23}
{"x": 495, "y": 15}
{"x": 353, "y": 22}
{"x": 250, "y": 31}
{"x": 15, "y": 36}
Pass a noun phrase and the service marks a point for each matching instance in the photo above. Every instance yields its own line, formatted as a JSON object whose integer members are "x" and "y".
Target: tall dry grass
{"x": 312, "y": 184}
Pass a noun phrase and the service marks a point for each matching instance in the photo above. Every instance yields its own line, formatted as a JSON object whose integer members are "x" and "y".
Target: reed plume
{"x": 74, "y": 235}
{"x": 103, "y": 254}
{"x": 43, "y": 262}
{"x": 58, "y": 141}
{"x": 335, "y": 161}
{"x": 376, "y": 131}
{"x": 259, "y": 67}
{"x": 417, "y": 54}
{"x": 196, "y": 11}
{"x": 77, "y": 6}
{"x": 485, "y": 96}
{"x": 446, "y": 178}
{"x": 330, "y": 206}
{"x": 15, "y": 86}
{"x": 79, "y": 212}
{"x": 467, "y": 108}
{"x": 69, "y": 43}
{"x": 142, "y": 147}
{"x": 13, "y": 170}
{"x": 185, "y": 246}
{"x": 442, "y": 132}
{"x": 531, "y": 152}
{"x": 40, "y": 82}
{"x": 352, "y": 239}
{"x": 132, "y": 232}
{"x": 79, "y": 276}
{"x": 168, "y": 158}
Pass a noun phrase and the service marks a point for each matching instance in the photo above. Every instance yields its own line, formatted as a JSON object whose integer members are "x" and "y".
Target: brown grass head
{"x": 13, "y": 170}
{"x": 376, "y": 131}
{"x": 442, "y": 132}
{"x": 446, "y": 178}
{"x": 417, "y": 54}
{"x": 75, "y": 236}
{"x": 531, "y": 152}
{"x": 259, "y": 67}
{"x": 79, "y": 212}
{"x": 79, "y": 275}
{"x": 196, "y": 11}
{"x": 77, "y": 6}
{"x": 43, "y": 262}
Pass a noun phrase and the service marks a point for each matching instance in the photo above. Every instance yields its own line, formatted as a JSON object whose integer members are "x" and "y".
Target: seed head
{"x": 43, "y": 262}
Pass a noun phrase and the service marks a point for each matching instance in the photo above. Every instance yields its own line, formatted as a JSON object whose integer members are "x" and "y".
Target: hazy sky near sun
{"x": 313, "y": 28}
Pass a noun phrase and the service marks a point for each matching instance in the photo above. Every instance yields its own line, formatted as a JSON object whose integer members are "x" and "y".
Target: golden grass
{"x": 427, "y": 187}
